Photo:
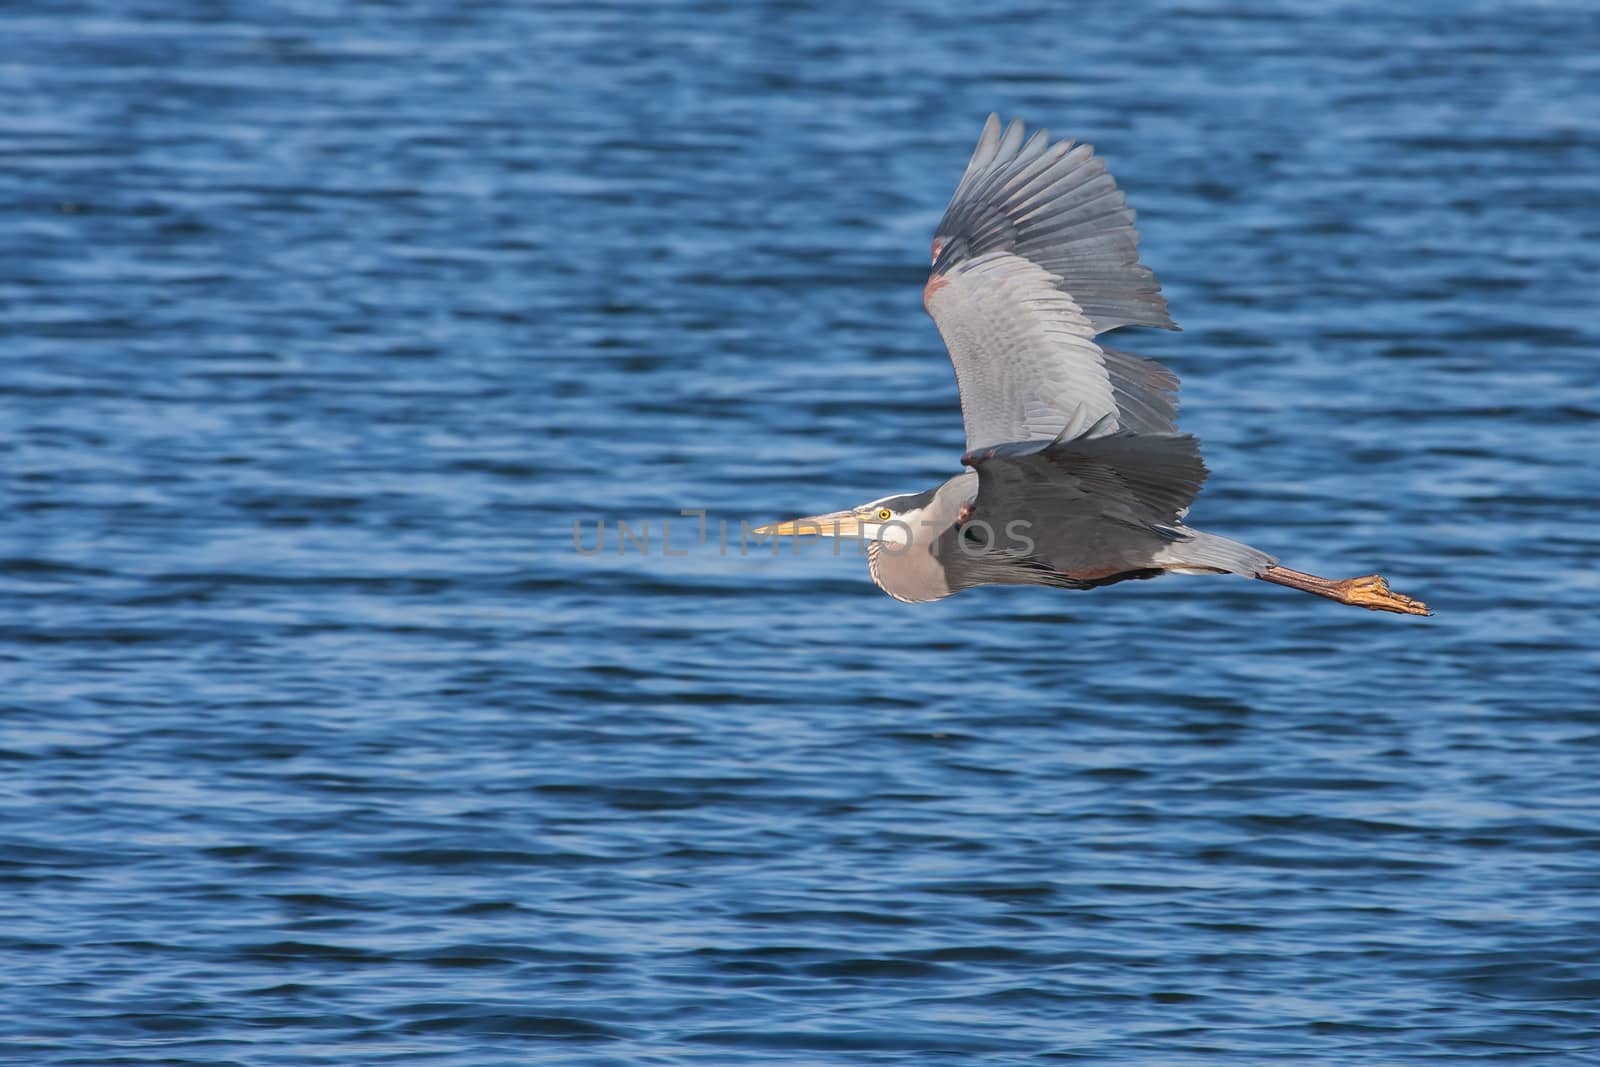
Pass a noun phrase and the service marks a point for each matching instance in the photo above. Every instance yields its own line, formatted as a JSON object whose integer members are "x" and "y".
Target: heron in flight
{"x": 1077, "y": 475}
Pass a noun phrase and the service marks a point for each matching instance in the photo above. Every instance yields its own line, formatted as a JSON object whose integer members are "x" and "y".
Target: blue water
{"x": 324, "y": 323}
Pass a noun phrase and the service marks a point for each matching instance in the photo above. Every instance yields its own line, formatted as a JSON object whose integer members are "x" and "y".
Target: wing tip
{"x": 1057, "y": 205}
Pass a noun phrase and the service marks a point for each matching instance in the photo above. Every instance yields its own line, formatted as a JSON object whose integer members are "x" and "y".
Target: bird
{"x": 1075, "y": 473}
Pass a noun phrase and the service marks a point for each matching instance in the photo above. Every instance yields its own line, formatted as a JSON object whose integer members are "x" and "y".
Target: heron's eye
{"x": 883, "y": 514}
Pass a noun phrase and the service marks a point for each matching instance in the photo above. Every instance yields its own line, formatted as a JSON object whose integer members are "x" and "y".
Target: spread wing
{"x": 1035, "y": 257}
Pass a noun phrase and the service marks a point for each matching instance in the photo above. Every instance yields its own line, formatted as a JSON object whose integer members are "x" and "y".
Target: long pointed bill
{"x": 835, "y": 524}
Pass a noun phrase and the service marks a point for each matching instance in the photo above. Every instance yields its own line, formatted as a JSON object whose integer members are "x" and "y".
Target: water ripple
{"x": 323, "y": 745}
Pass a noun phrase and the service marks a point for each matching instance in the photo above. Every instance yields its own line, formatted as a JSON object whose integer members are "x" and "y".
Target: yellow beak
{"x": 834, "y": 524}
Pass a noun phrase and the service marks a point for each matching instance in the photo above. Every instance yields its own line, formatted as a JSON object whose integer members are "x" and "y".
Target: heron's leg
{"x": 1369, "y": 591}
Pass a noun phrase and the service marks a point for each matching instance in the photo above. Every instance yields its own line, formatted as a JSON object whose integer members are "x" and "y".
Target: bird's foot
{"x": 1371, "y": 591}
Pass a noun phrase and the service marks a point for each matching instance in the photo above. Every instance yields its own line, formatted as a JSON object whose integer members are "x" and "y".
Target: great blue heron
{"x": 1078, "y": 475}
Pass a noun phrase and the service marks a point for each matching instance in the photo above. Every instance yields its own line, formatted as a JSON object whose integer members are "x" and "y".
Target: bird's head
{"x": 894, "y": 519}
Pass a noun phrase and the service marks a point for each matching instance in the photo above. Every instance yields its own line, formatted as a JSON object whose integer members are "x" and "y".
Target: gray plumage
{"x": 1055, "y": 206}
{"x": 1035, "y": 257}
{"x": 1074, "y": 513}
{"x": 1078, "y": 476}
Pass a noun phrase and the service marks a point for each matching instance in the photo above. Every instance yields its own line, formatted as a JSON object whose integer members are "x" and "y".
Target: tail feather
{"x": 1201, "y": 551}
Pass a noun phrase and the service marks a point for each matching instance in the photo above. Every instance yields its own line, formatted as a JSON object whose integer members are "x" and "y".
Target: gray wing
{"x": 1069, "y": 512}
{"x": 1083, "y": 509}
{"x": 1036, "y": 256}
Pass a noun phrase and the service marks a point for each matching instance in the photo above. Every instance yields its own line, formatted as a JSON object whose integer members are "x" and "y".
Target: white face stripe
{"x": 903, "y": 529}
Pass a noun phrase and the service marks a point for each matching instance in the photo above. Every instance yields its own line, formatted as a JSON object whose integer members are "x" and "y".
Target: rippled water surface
{"x": 323, "y": 323}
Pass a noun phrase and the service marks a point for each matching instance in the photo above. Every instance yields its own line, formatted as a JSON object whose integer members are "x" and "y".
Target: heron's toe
{"x": 1372, "y": 591}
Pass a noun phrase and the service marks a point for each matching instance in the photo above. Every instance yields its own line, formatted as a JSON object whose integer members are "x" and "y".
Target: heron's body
{"x": 1078, "y": 475}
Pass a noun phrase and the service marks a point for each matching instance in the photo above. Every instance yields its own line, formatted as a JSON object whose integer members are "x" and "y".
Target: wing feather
{"x": 1035, "y": 256}
{"x": 1024, "y": 353}
{"x": 1092, "y": 506}
{"x": 1040, "y": 202}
